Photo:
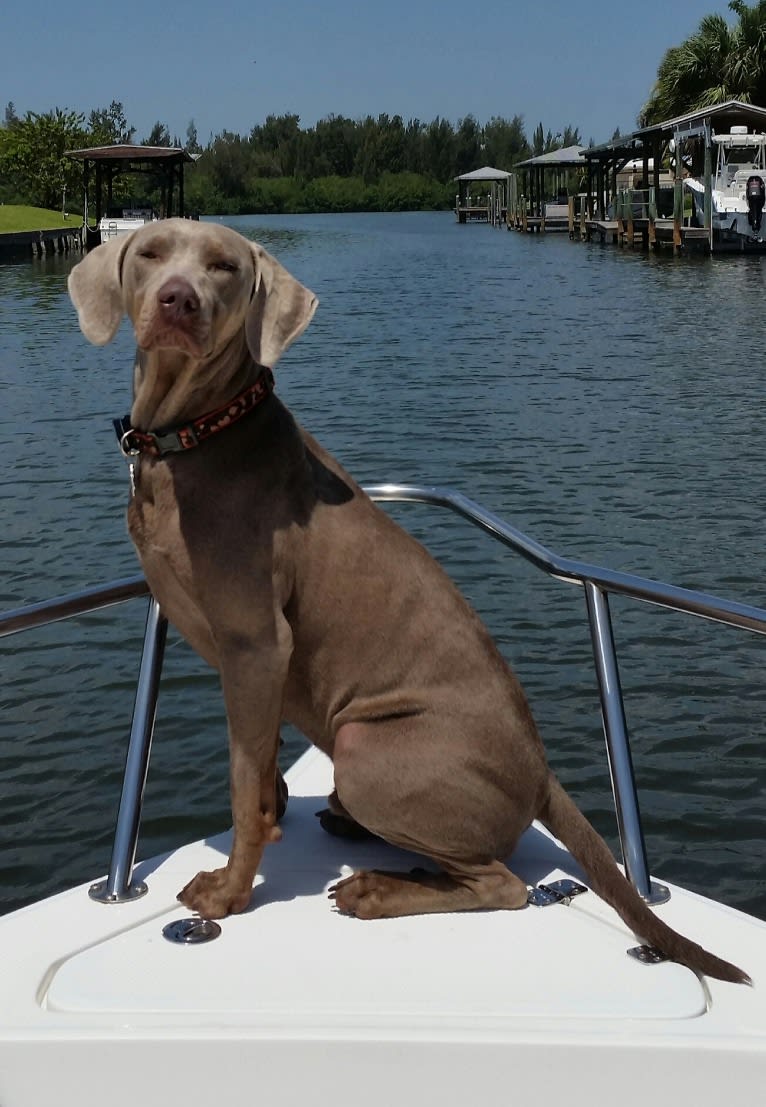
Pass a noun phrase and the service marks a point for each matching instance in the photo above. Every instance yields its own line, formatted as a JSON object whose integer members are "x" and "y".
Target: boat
{"x": 738, "y": 188}
{"x": 121, "y": 221}
{"x": 109, "y": 993}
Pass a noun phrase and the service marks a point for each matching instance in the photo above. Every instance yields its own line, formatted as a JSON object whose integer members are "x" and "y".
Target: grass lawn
{"x": 18, "y": 217}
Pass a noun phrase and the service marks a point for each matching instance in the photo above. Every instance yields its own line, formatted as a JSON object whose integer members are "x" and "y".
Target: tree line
{"x": 339, "y": 164}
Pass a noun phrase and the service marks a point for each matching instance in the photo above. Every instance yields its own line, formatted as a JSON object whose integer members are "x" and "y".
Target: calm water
{"x": 609, "y": 404}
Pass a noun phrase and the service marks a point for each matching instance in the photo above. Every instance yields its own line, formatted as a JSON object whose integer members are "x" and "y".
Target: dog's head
{"x": 191, "y": 287}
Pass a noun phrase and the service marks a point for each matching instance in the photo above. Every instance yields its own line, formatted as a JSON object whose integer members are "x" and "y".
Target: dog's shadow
{"x": 309, "y": 859}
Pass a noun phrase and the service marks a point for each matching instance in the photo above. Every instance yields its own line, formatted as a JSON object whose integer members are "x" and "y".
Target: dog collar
{"x": 174, "y": 440}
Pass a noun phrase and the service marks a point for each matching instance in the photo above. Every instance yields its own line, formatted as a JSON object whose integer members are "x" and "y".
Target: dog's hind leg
{"x": 417, "y": 786}
{"x": 382, "y": 895}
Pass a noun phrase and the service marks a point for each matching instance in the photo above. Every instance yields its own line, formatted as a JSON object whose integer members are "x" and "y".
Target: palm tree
{"x": 717, "y": 63}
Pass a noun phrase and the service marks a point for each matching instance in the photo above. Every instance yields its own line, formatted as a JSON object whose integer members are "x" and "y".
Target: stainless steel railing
{"x": 118, "y": 886}
{"x": 597, "y": 583}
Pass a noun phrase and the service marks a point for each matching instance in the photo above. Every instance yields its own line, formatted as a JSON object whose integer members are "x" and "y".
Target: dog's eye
{"x": 225, "y": 266}
{"x": 148, "y": 254}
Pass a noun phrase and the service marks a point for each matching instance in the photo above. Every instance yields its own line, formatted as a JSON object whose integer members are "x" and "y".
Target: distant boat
{"x": 124, "y": 221}
{"x": 739, "y": 188}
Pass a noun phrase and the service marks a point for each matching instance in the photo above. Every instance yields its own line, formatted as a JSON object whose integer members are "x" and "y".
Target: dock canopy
{"x": 606, "y": 161}
{"x": 491, "y": 204}
{"x": 567, "y": 157}
{"x": 719, "y": 117}
{"x": 557, "y": 164}
{"x": 163, "y": 163}
{"x": 487, "y": 173}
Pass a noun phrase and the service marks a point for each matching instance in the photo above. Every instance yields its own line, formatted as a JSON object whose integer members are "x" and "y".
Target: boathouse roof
{"x": 487, "y": 173}
{"x": 130, "y": 153}
{"x": 724, "y": 116}
{"x": 554, "y": 159}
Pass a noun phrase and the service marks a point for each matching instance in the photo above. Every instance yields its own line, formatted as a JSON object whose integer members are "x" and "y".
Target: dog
{"x": 315, "y": 607}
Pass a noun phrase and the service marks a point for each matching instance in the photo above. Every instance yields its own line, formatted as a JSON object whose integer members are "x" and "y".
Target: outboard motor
{"x": 755, "y": 194}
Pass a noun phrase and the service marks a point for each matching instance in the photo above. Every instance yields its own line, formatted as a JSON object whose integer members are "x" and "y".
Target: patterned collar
{"x": 178, "y": 439}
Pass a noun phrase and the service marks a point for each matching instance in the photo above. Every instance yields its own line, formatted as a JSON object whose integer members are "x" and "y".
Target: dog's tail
{"x": 560, "y": 815}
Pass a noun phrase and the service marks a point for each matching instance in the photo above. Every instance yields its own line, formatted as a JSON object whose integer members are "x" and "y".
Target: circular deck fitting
{"x": 133, "y": 891}
{"x": 191, "y": 931}
{"x": 659, "y": 893}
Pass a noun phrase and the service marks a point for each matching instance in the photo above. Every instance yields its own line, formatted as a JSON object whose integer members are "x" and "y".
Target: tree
{"x": 439, "y": 149}
{"x": 380, "y": 145}
{"x": 505, "y": 140}
{"x": 192, "y": 142}
{"x": 571, "y": 136}
{"x": 543, "y": 142}
{"x": 718, "y": 62}
{"x": 469, "y": 147}
{"x": 10, "y": 114}
{"x": 158, "y": 136}
{"x": 109, "y": 127}
{"x": 336, "y": 145}
{"x": 32, "y": 155}
{"x": 275, "y": 145}
{"x": 229, "y": 160}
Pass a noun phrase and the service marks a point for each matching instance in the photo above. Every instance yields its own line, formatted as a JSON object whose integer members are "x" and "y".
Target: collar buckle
{"x": 129, "y": 447}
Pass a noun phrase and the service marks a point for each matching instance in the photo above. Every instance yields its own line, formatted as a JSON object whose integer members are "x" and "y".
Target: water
{"x": 607, "y": 403}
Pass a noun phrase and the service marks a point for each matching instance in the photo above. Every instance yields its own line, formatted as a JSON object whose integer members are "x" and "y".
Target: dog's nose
{"x": 177, "y": 298}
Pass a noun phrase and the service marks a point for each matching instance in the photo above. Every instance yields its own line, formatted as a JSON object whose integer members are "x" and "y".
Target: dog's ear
{"x": 280, "y": 309}
{"x": 95, "y": 286}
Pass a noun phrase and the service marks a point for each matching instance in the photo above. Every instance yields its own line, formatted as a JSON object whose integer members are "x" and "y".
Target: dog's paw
{"x": 349, "y": 896}
{"x": 213, "y": 895}
{"x": 367, "y": 895}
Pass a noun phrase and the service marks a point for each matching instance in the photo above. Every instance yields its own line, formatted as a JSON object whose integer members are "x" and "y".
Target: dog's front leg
{"x": 253, "y": 683}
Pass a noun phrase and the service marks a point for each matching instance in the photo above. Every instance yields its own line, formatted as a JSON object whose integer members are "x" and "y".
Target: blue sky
{"x": 228, "y": 66}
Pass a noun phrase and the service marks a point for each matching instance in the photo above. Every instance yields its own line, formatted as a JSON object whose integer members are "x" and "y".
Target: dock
{"x": 631, "y": 191}
{"x": 25, "y": 244}
{"x": 552, "y": 217}
{"x": 646, "y": 233}
{"x": 483, "y": 196}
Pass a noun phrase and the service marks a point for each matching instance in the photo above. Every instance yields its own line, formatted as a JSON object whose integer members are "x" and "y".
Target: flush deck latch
{"x": 558, "y": 891}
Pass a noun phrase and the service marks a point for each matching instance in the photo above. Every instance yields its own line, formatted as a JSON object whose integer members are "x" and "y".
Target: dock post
{"x": 652, "y": 213}
{"x": 708, "y": 171}
{"x": 571, "y": 215}
{"x": 629, "y": 216}
{"x": 619, "y": 203}
{"x": 678, "y": 214}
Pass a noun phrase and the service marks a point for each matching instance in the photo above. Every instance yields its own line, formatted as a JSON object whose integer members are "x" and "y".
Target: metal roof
{"x": 731, "y": 111}
{"x": 565, "y": 155}
{"x": 487, "y": 173}
{"x": 130, "y": 153}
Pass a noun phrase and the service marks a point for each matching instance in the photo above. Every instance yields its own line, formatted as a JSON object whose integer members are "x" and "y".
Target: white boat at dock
{"x": 104, "y": 999}
{"x": 738, "y": 188}
{"x": 125, "y": 221}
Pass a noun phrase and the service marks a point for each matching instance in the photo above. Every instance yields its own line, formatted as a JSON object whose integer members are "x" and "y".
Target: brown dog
{"x": 314, "y": 606}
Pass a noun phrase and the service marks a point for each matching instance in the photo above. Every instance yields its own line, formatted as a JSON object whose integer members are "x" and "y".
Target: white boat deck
{"x": 295, "y": 1000}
